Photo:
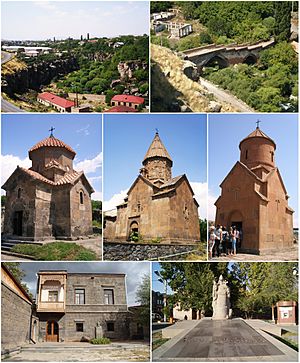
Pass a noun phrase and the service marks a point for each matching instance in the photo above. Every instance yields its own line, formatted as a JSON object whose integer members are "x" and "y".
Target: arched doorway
{"x": 236, "y": 220}
{"x": 134, "y": 231}
{"x": 18, "y": 223}
{"x": 52, "y": 331}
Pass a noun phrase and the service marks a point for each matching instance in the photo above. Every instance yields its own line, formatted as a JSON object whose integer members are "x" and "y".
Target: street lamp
{"x": 163, "y": 281}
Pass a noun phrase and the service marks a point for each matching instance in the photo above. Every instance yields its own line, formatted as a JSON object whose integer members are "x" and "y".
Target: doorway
{"x": 52, "y": 331}
{"x": 18, "y": 223}
{"x": 239, "y": 227}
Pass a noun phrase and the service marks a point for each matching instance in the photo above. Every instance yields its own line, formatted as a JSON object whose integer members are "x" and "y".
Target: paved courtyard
{"x": 290, "y": 254}
{"x": 82, "y": 352}
{"x": 224, "y": 340}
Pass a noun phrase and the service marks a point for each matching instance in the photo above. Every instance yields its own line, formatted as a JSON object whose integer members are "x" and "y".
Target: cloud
{"x": 89, "y": 165}
{"x": 97, "y": 195}
{"x": 84, "y": 130}
{"x": 115, "y": 200}
{"x": 9, "y": 164}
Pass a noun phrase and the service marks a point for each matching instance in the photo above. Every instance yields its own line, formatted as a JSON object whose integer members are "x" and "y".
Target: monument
{"x": 221, "y": 300}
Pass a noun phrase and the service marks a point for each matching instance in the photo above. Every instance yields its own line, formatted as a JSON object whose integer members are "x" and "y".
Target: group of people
{"x": 223, "y": 242}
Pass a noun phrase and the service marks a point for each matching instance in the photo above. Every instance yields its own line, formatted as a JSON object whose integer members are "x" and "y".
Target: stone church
{"x": 50, "y": 199}
{"x": 254, "y": 198}
{"x": 157, "y": 206}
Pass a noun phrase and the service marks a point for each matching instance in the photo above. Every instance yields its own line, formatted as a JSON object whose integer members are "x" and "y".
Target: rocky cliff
{"x": 36, "y": 75}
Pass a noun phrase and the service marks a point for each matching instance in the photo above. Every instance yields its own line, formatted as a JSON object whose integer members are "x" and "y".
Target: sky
{"x": 127, "y": 139}
{"x": 134, "y": 273}
{"x": 82, "y": 132}
{"x": 225, "y": 133}
{"x": 41, "y": 20}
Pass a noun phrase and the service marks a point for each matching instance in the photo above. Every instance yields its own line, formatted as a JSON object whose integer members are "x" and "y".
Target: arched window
{"x": 19, "y": 193}
{"x": 81, "y": 197}
{"x": 246, "y": 154}
{"x": 272, "y": 156}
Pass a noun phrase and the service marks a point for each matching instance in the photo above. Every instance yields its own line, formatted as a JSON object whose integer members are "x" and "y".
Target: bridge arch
{"x": 217, "y": 60}
{"x": 250, "y": 59}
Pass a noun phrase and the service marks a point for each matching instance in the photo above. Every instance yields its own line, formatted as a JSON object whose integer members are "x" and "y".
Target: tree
{"x": 282, "y": 15}
{"x": 15, "y": 269}
{"x": 203, "y": 229}
{"x": 143, "y": 298}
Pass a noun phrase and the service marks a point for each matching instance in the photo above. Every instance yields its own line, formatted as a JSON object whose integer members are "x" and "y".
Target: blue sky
{"x": 134, "y": 272}
{"x": 39, "y": 20}
{"x": 128, "y": 137}
{"x": 82, "y": 132}
{"x": 225, "y": 134}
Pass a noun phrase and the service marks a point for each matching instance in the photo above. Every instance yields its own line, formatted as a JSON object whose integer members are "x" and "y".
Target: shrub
{"x": 102, "y": 340}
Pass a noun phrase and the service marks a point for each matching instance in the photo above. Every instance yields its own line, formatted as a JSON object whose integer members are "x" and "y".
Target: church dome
{"x": 157, "y": 149}
{"x": 51, "y": 141}
{"x": 257, "y": 149}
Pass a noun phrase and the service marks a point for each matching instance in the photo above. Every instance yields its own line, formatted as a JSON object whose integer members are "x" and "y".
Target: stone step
{"x": 61, "y": 347}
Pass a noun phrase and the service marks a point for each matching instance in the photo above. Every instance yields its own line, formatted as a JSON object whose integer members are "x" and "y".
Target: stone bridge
{"x": 225, "y": 55}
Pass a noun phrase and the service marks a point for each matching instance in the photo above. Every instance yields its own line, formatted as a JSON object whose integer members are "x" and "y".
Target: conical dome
{"x": 51, "y": 141}
{"x": 257, "y": 149}
{"x": 157, "y": 149}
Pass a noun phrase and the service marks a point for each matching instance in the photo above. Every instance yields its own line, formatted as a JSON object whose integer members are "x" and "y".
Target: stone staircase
{"x": 8, "y": 243}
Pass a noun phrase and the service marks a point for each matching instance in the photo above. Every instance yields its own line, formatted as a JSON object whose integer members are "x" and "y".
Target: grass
{"x": 158, "y": 340}
{"x": 56, "y": 251}
{"x": 12, "y": 66}
{"x": 102, "y": 340}
{"x": 284, "y": 339}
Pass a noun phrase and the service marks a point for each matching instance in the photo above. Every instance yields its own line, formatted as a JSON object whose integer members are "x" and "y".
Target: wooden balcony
{"x": 51, "y": 306}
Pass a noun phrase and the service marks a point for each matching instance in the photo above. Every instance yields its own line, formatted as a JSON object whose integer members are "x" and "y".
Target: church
{"x": 158, "y": 206}
{"x": 254, "y": 198}
{"x": 49, "y": 200}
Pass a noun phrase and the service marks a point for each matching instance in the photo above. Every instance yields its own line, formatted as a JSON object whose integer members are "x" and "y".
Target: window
{"x": 79, "y": 327}
{"x": 79, "y": 296}
{"x": 19, "y": 193}
{"x": 108, "y": 297}
{"x": 110, "y": 326}
{"x": 246, "y": 154}
{"x": 53, "y": 296}
{"x": 81, "y": 197}
{"x": 272, "y": 156}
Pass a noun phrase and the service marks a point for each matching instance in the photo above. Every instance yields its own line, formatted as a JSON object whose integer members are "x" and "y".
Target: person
{"x": 237, "y": 238}
{"x": 234, "y": 240}
{"x": 218, "y": 237}
{"x": 211, "y": 241}
{"x": 225, "y": 239}
{"x": 229, "y": 248}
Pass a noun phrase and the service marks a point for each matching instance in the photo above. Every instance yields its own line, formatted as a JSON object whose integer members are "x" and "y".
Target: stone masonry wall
{"x": 15, "y": 319}
{"x": 135, "y": 252}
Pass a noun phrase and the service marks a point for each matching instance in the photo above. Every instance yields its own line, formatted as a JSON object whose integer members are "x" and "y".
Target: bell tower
{"x": 157, "y": 163}
{"x": 258, "y": 149}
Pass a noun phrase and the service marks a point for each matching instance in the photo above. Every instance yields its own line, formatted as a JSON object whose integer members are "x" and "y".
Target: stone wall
{"x": 113, "y": 251}
{"x": 15, "y": 319}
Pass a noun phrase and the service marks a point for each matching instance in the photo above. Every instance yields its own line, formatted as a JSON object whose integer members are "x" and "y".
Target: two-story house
{"x": 71, "y": 306}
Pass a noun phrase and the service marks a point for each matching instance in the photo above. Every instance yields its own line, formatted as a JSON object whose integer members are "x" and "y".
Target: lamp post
{"x": 163, "y": 281}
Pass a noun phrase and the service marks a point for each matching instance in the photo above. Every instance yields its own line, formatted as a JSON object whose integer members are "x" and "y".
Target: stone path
{"x": 224, "y": 340}
{"x": 82, "y": 352}
{"x": 287, "y": 255}
{"x": 94, "y": 244}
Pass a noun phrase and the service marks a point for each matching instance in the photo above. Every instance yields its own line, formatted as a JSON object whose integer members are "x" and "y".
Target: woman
{"x": 234, "y": 234}
{"x": 211, "y": 241}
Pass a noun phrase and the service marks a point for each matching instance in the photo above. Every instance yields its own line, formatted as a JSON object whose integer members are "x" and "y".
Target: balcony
{"x": 51, "y": 306}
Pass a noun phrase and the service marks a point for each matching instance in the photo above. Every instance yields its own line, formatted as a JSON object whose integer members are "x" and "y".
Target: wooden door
{"x": 52, "y": 331}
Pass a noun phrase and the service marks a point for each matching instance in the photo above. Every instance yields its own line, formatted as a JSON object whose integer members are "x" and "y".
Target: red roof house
{"x": 127, "y": 100}
{"x": 124, "y": 109}
{"x": 50, "y": 99}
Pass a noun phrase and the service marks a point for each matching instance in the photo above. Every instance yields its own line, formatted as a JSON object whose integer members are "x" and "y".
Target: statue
{"x": 221, "y": 300}
{"x": 99, "y": 330}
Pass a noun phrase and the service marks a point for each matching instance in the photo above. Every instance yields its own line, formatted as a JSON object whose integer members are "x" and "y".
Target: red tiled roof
{"x": 59, "y": 101}
{"x": 128, "y": 98}
{"x": 51, "y": 141}
{"x": 69, "y": 178}
{"x": 121, "y": 109}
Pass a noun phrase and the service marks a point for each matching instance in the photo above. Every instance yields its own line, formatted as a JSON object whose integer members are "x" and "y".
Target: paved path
{"x": 5, "y": 105}
{"x": 8, "y": 257}
{"x": 82, "y": 352}
{"x": 224, "y": 340}
{"x": 225, "y": 96}
{"x": 286, "y": 255}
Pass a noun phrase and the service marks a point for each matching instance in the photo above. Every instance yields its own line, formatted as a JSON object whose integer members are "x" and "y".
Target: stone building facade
{"x": 16, "y": 313}
{"x": 254, "y": 198}
{"x": 75, "y": 305}
{"x": 157, "y": 206}
{"x": 50, "y": 199}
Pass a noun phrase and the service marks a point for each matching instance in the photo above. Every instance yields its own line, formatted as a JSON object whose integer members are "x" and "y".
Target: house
{"x": 59, "y": 103}
{"x": 73, "y": 305}
{"x": 254, "y": 199}
{"x": 49, "y": 200}
{"x": 124, "y": 109}
{"x": 127, "y": 100}
{"x": 158, "y": 206}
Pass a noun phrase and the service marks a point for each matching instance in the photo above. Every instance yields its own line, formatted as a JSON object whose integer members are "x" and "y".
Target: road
{"x": 5, "y": 105}
{"x": 225, "y": 96}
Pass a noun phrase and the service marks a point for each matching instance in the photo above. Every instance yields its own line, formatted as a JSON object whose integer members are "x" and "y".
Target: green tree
{"x": 143, "y": 298}
{"x": 282, "y": 15}
{"x": 16, "y": 270}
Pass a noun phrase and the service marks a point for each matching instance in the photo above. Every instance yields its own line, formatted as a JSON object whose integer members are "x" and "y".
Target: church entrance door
{"x": 52, "y": 331}
{"x": 18, "y": 223}
{"x": 239, "y": 227}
